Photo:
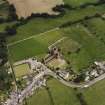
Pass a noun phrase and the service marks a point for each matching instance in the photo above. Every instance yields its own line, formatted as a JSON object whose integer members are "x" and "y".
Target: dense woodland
{"x": 4, "y": 78}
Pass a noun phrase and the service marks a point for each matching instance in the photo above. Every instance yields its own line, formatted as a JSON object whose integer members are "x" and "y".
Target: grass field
{"x": 39, "y": 25}
{"x": 21, "y": 70}
{"x": 57, "y": 94}
{"x": 95, "y": 94}
{"x": 58, "y": 63}
{"x": 77, "y": 37}
{"x": 68, "y": 45}
{"x": 76, "y": 3}
{"x": 33, "y": 7}
{"x": 4, "y": 25}
{"x": 92, "y": 48}
{"x": 97, "y": 26}
{"x": 4, "y": 9}
{"x": 35, "y": 46}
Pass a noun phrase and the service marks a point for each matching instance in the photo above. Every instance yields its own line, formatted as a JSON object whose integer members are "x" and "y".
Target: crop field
{"x": 56, "y": 94}
{"x": 33, "y": 7}
{"x": 39, "y": 25}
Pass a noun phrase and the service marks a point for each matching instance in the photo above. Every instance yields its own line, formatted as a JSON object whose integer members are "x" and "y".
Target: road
{"x": 17, "y": 98}
{"x": 75, "y": 85}
{"x": 71, "y": 84}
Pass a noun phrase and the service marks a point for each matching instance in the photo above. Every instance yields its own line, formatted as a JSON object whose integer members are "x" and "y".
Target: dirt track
{"x": 25, "y": 8}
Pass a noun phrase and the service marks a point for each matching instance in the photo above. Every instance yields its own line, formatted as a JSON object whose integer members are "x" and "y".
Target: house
{"x": 64, "y": 74}
{"x": 101, "y": 64}
{"x": 87, "y": 79}
{"x": 94, "y": 73}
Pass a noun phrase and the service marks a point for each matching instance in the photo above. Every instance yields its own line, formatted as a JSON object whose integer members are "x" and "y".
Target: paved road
{"x": 15, "y": 98}
{"x": 74, "y": 85}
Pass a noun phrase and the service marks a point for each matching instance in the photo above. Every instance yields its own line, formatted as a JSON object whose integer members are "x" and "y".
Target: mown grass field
{"x": 76, "y": 3}
{"x": 95, "y": 94}
{"x": 89, "y": 39}
{"x": 57, "y": 63}
{"x": 91, "y": 48}
{"x": 56, "y": 94}
{"x": 39, "y": 25}
{"x": 35, "y": 46}
{"x": 97, "y": 27}
{"x": 4, "y": 8}
{"x": 21, "y": 70}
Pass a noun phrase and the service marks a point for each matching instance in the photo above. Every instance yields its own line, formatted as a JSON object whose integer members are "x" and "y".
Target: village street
{"x": 16, "y": 98}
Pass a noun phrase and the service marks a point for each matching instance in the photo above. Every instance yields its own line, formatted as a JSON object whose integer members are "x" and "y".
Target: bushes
{"x": 2, "y": 20}
{"x": 81, "y": 99}
{"x": 3, "y": 49}
{"x": 61, "y": 8}
{"x": 10, "y": 30}
{"x": 12, "y": 14}
{"x": 80, "y": 78}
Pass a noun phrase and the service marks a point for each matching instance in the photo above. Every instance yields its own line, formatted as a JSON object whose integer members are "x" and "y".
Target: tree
{"x": 5, "y": 78}
{"x": 10, "y": 30}
{"x": 12, "y": 14}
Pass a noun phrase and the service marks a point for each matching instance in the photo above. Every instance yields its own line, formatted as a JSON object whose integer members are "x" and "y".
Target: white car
{"x": 86, "y": 86}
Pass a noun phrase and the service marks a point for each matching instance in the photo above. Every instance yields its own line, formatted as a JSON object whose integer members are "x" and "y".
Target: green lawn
{"x": 57, "y": 94}
{"x": 21, "y": 70}
{"x": 97, "y": 26}
{"x": 76, "y": 3}
{"x": 39, "y": 98}
{"x": 68, "y": 45}
{"x": 4, "y": 9}
{"x": 4, "y": 25}
{"x": 36, "y": 46}
{"x": 92, "y": 48}
{"x": 39, "y": 25}
{"x": 95, "y": 94}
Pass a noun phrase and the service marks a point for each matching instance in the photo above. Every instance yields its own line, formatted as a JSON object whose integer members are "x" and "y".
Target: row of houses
{"x": 95, "y": 71}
